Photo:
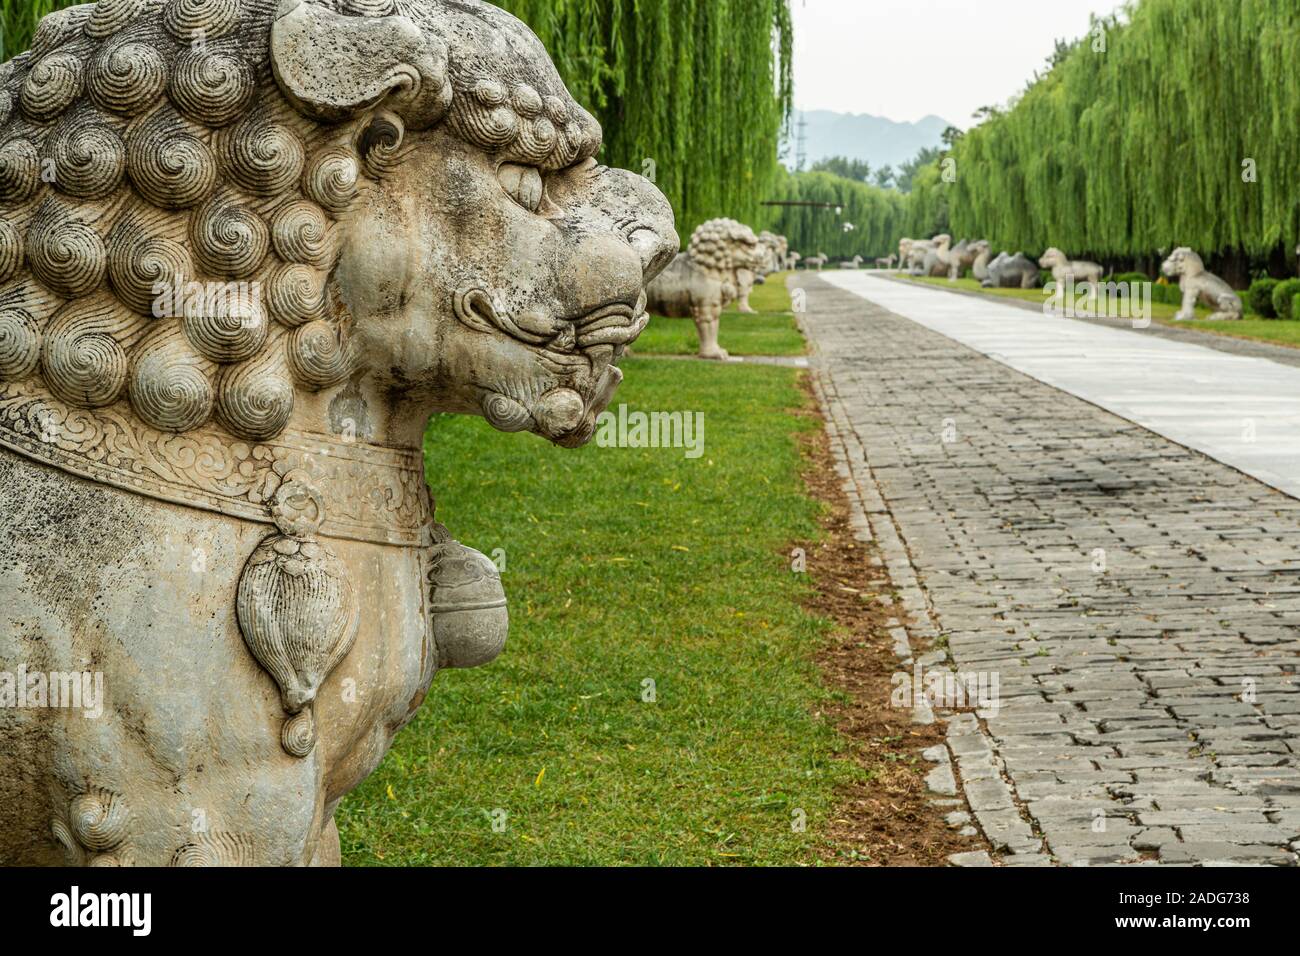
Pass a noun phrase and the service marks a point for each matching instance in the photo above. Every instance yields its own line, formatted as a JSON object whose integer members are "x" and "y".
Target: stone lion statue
{"x": 1198, "y": 285}
{"x": 702, "y": 281}
{"x": 247, "y": 247}
{"x": 752, "y": 271}
{"x": 775, "y": 252}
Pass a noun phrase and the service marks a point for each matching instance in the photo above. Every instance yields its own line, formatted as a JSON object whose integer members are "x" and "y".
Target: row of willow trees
{"x": 1175, "y": 127}
{"x": 693, "y": 93}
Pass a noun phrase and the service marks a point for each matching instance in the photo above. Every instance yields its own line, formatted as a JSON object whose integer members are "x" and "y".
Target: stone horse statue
{"x": 214, "y": 497}
{"x": 705, "y": 279}
{"x": 1078, "y": 271}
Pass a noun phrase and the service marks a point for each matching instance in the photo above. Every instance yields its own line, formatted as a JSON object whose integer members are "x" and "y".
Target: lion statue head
{"x": 1182, "y": 262}
{"x": 249, "y": 215}
{"x": 726, "y": 249}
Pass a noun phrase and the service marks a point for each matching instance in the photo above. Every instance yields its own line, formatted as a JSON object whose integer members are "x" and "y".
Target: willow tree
{"x": 1175, "y": 126}
{"x": 18, "y": 19}
{"x": 838, "y": 216}
{"x": 694, "y": 93}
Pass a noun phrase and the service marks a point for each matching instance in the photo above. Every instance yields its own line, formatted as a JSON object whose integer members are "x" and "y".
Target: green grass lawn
{"x": 624, "y": 565}
{"x": 1281, "y": 332}
{"x": 771, "y": 332}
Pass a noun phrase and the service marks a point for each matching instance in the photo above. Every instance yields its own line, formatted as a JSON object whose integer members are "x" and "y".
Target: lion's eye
{"x": 523, "y": 184}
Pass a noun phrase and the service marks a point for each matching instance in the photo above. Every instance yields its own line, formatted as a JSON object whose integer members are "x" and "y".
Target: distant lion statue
{"x": 775, "y": 252}
{"x": 702, "y": 281}
{"x": 275, "y": 237}
{"x": 1200, "y": 286}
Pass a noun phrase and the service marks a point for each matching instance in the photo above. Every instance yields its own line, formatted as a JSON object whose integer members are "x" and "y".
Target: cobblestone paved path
{"x": 1138, "y": 602}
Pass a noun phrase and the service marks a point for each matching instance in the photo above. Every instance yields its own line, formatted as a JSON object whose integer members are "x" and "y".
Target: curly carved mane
{"x": 721, "y": 246}
{"x": 169, "y": 220}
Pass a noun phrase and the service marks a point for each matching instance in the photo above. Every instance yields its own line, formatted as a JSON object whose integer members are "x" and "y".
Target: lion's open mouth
{"x": 613, "y": 325}
{"x": 569, "y": 350}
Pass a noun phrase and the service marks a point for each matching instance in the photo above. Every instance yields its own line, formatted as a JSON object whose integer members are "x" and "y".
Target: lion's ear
{"x": 332, "y": 67}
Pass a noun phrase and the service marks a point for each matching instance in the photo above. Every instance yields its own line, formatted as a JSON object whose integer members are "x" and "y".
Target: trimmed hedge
{"x": 1284, "y": 298}
{"x": 1259, "y": 297}
{"x": 1169, "y": 294}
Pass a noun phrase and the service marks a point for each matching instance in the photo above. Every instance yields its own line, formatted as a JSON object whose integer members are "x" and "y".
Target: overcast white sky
{"x": 904, "y": 59}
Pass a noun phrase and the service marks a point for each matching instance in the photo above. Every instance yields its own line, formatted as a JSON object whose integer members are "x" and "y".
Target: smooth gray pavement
{"x": 1240, "y": 409}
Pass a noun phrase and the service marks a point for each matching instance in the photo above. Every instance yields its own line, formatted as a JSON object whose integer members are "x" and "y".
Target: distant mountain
{"x": 875, "y": 139}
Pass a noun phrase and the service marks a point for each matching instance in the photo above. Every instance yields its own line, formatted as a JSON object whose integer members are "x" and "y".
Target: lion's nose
{"x": 655, "y": 250}
{"x": 649, "y": 228}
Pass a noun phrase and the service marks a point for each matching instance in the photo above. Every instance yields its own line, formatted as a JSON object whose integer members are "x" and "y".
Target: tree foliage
{"x": 1145, "y": 143}
{"x": 877, "y": 216}
{"x": 694, "y": 93}
{"x": 858, "y": 170}
{"x": 18, "y": 19}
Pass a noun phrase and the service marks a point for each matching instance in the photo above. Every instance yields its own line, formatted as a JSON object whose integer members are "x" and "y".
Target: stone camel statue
{"x": 912, "y": 253}
{"x": 816, "y": 261}
{"x": 1079, "y": 272}
{"x": 1200, "y": 286}
{"x": 886, "y": 262}
{"x": 934, "y": 258}
{"x": 960, "y": 257}
{"x": 214, "y": 499}
{"x": 854, "y": 263}
{"x": 700, "y": 282}
{"x": 1010, "y": 272}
